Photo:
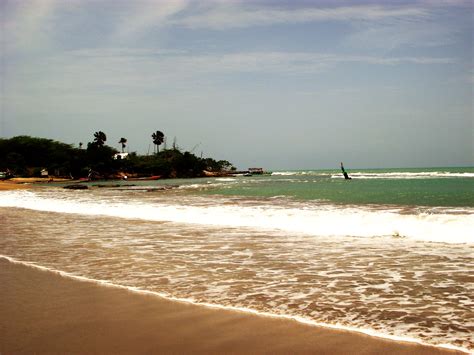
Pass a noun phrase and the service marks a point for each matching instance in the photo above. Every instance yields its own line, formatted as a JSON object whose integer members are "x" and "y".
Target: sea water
{"x": 388, "y": 253}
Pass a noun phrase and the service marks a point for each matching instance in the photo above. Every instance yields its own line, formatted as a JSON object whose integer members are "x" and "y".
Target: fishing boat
{"x": 145, "y": 178}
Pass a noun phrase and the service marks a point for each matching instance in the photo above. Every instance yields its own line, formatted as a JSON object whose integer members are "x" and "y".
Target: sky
{"x": 295, "y": 84}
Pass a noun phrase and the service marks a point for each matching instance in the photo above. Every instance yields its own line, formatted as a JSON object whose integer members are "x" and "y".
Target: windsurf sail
{"x": 346, "y": 176}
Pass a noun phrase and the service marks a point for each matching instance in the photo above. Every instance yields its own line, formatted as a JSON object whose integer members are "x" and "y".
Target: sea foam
{"x": 310, "y": 219}
{"x": 405, "y": 175}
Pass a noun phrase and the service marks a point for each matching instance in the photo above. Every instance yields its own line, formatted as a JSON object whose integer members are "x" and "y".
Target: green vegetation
{"x": 123, "y": 143}
{"x": 28, "y": 156}
{"x": 158, "y": 138}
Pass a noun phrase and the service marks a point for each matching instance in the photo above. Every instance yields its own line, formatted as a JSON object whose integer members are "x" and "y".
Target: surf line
{"x": 298, "y": 319}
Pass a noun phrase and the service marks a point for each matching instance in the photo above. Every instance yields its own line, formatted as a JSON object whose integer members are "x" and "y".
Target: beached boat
{"x": 145, "y": 178}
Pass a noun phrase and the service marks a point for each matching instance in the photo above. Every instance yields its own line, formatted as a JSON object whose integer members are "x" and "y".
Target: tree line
{"x": 27, "y": 156}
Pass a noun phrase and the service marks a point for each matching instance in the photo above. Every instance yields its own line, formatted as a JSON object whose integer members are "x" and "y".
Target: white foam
{"x": 315, "y": 220}
{"x": 405, "y": 175}
{"x": 299, "y": 173}
{"x": 379, "y": 175}
{"x": 285, "y": 173}
{"x": 303, "y": 320}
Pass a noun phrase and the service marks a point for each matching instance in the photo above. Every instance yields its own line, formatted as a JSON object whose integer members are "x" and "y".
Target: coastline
{"x": 26, "y": 183}
{"x": 11, "y": 185}
{"x": 44, "y": 312}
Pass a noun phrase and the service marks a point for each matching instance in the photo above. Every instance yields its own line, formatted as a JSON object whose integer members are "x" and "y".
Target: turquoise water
{"x": 413, "y": 187}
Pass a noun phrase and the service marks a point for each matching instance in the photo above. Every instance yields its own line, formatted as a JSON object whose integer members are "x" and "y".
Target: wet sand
{"x": 10, "y": 185}
{"x": 26, "y": 183}
{"x": 43, "y": 312}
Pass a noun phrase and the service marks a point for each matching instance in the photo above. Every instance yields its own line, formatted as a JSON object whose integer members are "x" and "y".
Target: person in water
{"x": 347, "y": 177}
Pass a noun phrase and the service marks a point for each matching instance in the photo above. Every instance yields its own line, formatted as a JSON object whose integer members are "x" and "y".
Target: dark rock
{"x": 76, "y": 187}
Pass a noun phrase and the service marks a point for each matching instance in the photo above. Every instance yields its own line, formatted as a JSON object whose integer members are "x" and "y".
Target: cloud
{"x": 383, "y": 26}
{"x": 224, "y": 16}
{"x": 402, "y": 33}
{"x": 146, "y": 14}
{"x": 181, "y": 62}
{"x": 447, "y": 3}
{"x": 31, "y": 25}
{"x": 27, "y": 25}
{"x": 37, "y": 24}
{"x": 146, "y": 72}
{"x": 443, "y": 24}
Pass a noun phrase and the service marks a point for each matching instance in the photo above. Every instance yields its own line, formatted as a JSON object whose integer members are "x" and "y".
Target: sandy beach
{"x": 11, "y": 185}
{"x": 43, "y": 312}
{"x": 26, "y": 183}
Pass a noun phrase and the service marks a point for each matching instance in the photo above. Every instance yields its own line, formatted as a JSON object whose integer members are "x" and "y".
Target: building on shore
{"x": 255, "y": 171}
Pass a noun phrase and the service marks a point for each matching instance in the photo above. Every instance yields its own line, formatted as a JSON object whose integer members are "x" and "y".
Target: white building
{"x": 120, "y": 156}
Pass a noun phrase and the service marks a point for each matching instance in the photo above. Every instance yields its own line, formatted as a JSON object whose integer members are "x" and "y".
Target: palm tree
{"x": 100, "y": 138}
{"x": 123, "y": 142}
{"x": 158, "y": 138}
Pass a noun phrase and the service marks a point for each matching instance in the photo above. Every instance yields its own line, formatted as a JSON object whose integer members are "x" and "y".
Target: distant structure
{"x": 255, "y": 171}
{"x": 120, "y": 156}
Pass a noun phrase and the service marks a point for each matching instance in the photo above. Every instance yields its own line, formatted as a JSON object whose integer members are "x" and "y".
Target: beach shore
{"x": 26, "y": 183}
{"x": 11, "y": 185}
{"x": 44, "y": 312}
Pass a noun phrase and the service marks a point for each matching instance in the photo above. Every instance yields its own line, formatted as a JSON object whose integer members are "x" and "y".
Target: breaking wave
{"x": 405, "y": 175}
{"x": 309, "y": 218}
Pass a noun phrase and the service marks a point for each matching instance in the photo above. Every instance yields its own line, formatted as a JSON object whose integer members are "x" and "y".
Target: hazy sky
{"x": 275, "y": 84}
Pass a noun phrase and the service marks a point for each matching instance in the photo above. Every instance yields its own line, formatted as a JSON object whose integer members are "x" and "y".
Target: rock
{"x": 76, "y": 187}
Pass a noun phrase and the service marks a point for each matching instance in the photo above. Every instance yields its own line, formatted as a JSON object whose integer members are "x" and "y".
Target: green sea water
{"x": 412, "y": 187}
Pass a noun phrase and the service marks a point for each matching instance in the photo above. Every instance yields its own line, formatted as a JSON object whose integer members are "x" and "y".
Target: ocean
{"x": 389, "y": 253}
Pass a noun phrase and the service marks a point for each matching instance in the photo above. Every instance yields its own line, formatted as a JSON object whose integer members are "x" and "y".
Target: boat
{"x": 145, "y": 178}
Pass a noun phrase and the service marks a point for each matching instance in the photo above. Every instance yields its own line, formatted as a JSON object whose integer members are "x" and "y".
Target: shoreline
{"x": 6, "y": 185}
{"x": 110, "y": 318}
